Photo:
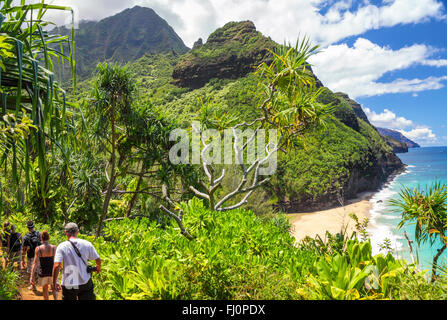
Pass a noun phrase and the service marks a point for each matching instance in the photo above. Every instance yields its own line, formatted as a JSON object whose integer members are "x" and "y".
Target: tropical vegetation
{"x": 97, "y": 153}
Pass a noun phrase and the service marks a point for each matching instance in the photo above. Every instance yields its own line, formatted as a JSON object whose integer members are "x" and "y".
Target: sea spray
{"x": 383, "y": 220}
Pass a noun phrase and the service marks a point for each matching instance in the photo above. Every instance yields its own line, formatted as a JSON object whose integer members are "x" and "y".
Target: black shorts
{"x": 84, "y": 292}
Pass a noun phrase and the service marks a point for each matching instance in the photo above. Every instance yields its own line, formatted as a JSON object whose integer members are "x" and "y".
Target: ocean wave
{"x": 378, "y": 229}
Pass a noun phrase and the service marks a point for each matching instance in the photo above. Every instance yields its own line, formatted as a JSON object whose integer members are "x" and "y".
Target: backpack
{"x": 34, "y": 242}
{"x": 14, "y": 242}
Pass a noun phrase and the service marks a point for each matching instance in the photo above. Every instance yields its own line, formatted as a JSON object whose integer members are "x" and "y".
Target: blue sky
{"x": 389, "y": 55}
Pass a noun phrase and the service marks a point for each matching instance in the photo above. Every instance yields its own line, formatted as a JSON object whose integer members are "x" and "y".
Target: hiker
{"x": 5, "y": 235}
{"x": 44, "y": 257}
{"x": 5, "y": 240}
{"x": 76, "y": 274}
{"x": 30, "y": 242}
{"x": 14, "y": 246}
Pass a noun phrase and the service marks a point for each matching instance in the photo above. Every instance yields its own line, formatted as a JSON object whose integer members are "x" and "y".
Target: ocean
{"x": 425, "y": 166}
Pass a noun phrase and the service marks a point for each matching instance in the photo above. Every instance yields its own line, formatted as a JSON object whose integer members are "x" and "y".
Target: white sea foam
{"x": 379, "y": 231}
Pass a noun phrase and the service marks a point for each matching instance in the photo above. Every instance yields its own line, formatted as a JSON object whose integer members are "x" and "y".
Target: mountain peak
{"x": 230, "y": 52}
{"x": 233, "y": 31}
{"x": 124, "y": 37}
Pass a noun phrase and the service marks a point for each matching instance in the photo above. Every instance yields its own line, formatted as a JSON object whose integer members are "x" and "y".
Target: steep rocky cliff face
{"x": 398, "y": 146}
{"x": 356, "y": 107}
{"x": 230, "y": 52}
{"x": 368, "y": 161}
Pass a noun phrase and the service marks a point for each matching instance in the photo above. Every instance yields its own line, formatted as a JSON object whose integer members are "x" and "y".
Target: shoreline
{"x": 333, "y": 219}
{"x": 318, "y": 222}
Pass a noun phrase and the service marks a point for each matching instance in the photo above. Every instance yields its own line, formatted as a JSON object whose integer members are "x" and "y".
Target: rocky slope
{"x": 230, "y": 52}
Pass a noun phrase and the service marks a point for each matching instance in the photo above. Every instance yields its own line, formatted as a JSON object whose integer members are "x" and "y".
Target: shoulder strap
{"x": 77, "y": 252}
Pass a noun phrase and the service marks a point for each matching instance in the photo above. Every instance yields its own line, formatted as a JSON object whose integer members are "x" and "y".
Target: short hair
{"x": 71, "y": 228}
{"x": 45, "y": 236}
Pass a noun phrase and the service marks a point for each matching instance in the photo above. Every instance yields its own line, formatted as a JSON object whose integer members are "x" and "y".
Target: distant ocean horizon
{"x": 424, "y": 167}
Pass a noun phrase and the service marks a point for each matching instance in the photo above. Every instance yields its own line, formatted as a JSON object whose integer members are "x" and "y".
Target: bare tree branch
{"x": 179, "y": 219}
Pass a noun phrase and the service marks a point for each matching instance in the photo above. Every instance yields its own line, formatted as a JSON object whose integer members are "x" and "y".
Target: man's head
{"x": 30, "y": 225}
{"x": 71, "y": 229}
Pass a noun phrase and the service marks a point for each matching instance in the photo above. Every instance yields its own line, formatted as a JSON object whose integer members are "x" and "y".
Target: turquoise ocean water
{"x": 425, "y": 166}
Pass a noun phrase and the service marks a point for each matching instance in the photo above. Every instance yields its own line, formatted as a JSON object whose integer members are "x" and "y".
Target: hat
{"x": 30, "y": 224}
{"x": 71, "y": 227}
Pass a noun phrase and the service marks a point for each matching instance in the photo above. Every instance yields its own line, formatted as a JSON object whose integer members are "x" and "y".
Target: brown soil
{"x": 24, "y": 292}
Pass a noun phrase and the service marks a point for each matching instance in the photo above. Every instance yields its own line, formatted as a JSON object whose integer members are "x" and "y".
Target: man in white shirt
{"x": 74, "y": 255}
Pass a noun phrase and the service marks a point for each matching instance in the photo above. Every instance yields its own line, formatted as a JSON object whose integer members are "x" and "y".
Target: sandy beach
{"x": 332, "y": 220}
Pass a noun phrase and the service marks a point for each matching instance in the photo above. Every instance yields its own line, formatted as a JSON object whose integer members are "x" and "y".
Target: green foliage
{"x": 28, "y": 91}
{"x": 427, "y": 211}
{"x": 234, "y": 256}
{"x": 124, "y": 37}
{"x": 8, "y": 283}
{"x": 356, "y": 274}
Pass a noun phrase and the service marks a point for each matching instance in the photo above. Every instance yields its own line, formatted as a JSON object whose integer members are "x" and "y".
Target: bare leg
{"x": 45, "y": 292}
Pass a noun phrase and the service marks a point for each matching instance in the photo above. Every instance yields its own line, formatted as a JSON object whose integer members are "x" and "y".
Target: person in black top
{"x": 5, "y": 233}
{"x": 30, "y": 242}
{"x": 15, "y": 246}
{"x": 44, "y": 256}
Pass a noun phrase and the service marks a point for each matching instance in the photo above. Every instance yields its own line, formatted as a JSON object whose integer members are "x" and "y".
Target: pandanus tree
{"x": 30, "y": 96}
{"x": 427, "y": 210}
{"x": 290, "y": 108}
{"x": 132, "y": 137}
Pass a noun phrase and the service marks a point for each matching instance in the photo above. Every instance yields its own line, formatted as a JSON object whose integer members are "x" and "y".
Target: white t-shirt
{"x": 74, "y": 271}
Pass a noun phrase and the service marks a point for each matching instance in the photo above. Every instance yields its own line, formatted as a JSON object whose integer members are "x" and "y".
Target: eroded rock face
{"x": 231, "y": 52}
{"x": 196, "y": 75}
{"x": 360, "y": 180}
{"x": 355, "y": 106}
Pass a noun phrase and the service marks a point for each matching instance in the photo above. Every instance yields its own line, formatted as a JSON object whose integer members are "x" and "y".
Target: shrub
{"x": 235, "y": 255}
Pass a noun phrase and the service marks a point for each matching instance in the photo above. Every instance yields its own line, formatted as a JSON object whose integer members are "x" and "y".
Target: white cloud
{"x": 357, "y": 70}
{"x": 387, "y": 119}
{"x": 435, "y": 63}
{"x": 279, "y": 19}
{"x": 423, "y": 136}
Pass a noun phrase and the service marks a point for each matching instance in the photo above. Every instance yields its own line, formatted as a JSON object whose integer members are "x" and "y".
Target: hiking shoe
{"x": 31, "y": 287}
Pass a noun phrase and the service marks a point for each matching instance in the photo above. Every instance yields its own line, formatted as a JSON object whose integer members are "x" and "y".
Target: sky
{"x": 388, "y": 55}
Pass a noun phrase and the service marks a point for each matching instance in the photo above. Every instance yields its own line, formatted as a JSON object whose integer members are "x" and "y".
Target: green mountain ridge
{"x": 124, "y": 37}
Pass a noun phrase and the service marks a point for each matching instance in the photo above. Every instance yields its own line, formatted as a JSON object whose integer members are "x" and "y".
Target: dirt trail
{"x": 24, "y": 292}
{"x": 27, "y": 294}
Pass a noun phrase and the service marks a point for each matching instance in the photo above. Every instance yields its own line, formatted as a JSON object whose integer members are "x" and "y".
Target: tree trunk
{"x": 435, "y": 262}
{"x": 135, "y": 195}
{"x": 111, "y": 185}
